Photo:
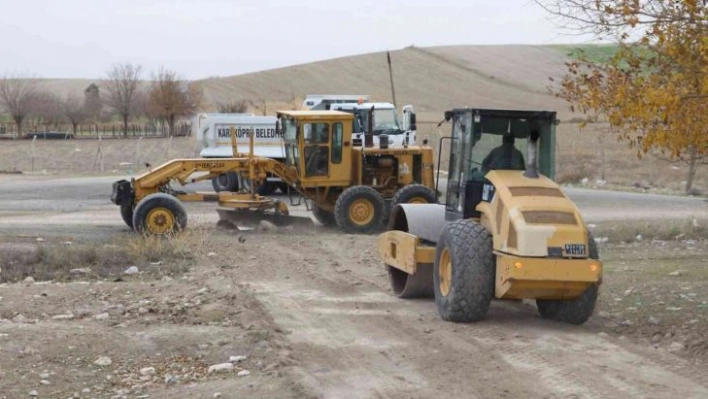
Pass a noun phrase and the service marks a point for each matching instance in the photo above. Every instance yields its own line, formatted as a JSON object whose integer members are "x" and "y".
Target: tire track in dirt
{"x": 365, "y": 341}
{"x": 353, "y": 336}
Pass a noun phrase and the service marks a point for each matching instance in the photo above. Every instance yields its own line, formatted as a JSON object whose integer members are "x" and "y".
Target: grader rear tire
{"x": 126, "y": 212}
{"x": 322, "y": 216}
{"x": 414, "y": 194}
{"x": 464, "y": 272}
{"x": 360, "y": 210}
{"x": 573, "y": 311}
{"x": 159, "y": 214}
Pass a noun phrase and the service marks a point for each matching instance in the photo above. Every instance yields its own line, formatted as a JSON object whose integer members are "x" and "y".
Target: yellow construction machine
{"x": 350, "y": 184}
{"x": 506, "y": 230}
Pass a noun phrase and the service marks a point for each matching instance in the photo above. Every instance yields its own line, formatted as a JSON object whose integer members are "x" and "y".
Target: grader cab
{"x": 349, "y": 184}
{"x": 506, "y": 230}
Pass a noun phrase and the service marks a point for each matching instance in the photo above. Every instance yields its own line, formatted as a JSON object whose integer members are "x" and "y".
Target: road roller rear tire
{"x": 464, "y": 272}
{"x": 573, "y": 311}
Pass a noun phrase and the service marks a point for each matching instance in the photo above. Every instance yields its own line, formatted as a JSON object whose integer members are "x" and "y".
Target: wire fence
{"x": 106, "y": 131}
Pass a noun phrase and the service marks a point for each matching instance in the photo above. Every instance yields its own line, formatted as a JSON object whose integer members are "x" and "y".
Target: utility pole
{"x": 390, "y": 74}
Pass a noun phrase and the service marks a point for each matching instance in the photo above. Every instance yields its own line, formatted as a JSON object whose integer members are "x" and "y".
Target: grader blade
{"x": 244, "y": 219}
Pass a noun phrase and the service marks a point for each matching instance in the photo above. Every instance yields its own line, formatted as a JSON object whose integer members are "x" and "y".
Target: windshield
{"x": 289, "y": 129}
{"x": 385, "y": 121}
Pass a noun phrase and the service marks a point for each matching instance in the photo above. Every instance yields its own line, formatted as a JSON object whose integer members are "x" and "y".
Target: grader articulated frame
{"x": 347, "y": 184}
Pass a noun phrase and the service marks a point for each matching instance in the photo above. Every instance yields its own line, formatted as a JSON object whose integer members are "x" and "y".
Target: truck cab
{"x": 382, "y": 117}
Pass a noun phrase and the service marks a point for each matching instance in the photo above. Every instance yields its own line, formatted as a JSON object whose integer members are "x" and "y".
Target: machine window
{"x": 316, "y": 160}
{"x": 337, "y": 142}
{"x": 316, "y": 133}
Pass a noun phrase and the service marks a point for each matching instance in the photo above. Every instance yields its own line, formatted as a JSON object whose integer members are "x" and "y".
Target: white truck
{"x": 213, "y": 135}
{"x": 385, "y": 122}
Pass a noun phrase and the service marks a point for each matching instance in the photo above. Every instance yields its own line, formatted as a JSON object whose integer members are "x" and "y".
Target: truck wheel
{"x": 225, "y": 182}
{"x": 322, "y": 216}
{"x": 159, "y": 214}
{"x": 574, "y": 311}
{"x": 464, "y": 272}
{"x": 414, "y": 194}
{"x": 359, "y": 210}
{"x": 126, "y": 212}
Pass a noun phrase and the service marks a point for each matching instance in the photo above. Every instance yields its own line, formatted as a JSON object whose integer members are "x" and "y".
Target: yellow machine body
{"x": 321, "y": 163}
{"x": 528, "y": 237}
{"x": 526, "y": 218}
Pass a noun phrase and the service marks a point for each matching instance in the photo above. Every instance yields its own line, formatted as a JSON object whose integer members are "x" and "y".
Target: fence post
{"x": 99, "y": 152}
{"x": 137, "y": 154}
{"x": 32, "y": 149}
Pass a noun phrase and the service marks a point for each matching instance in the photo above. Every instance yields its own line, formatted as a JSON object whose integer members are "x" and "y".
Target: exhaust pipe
{"x": 369, "y": 133}
{"x": 532, "y": 152}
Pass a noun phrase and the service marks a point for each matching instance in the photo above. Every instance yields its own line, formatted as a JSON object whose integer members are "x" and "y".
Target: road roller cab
{"x": 506, "y": 230}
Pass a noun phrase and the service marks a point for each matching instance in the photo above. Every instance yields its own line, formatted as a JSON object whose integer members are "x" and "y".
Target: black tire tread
{"x": 231, "y": 185}
{"x": 126, "y": 212}
{"x": 573, "y": 311}
{"x": 473, "y": 272}
{"x": 406, "y": 193}
{"x": 159, "y": 200}
{"x": 322, "y": 216}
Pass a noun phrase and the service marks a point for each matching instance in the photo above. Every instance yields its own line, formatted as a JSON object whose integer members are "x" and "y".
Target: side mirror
{"x": 448, "y": 115}
{"x": 412, "y": 122}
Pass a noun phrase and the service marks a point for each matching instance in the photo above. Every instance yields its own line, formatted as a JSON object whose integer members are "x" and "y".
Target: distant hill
{"x": 430, "y": 78}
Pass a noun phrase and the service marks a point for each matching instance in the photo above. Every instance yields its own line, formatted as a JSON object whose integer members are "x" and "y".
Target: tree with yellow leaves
{"x": 654, "y": 90}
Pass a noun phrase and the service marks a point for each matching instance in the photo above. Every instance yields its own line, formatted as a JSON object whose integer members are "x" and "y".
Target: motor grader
{"x": 506, "y": 230}
{"x": 350, "y": 184}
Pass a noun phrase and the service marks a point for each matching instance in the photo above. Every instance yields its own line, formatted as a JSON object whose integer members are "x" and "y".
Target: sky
{"x": 207, "y": 38}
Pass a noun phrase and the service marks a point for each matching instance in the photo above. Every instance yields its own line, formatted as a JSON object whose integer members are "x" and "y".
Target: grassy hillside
{"x": 598, "y": 53}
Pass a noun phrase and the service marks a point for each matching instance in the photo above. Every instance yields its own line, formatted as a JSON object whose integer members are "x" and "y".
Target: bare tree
{"x": 47, "y": 109}
{"x": 121, "y": 90}
{"x": 18, "y": 96}
{"x": 74, "y": 110}
{"x": 232, "y": 107}
{"x": 171, "y": 98}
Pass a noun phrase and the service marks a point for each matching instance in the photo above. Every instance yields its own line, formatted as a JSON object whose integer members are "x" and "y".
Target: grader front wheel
{"x": 159, "y": 214}
{"x": 464, "y": 272}
{"x": 359, "y": 210}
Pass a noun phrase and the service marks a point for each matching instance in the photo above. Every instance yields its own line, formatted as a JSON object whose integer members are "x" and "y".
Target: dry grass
{"x": 154, "y": 256}
{"x": 79, "y": 156}
{"x": 579, "y": 154}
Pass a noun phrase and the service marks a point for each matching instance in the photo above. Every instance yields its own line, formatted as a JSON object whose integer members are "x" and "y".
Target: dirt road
{"x": 311, "y": 309}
